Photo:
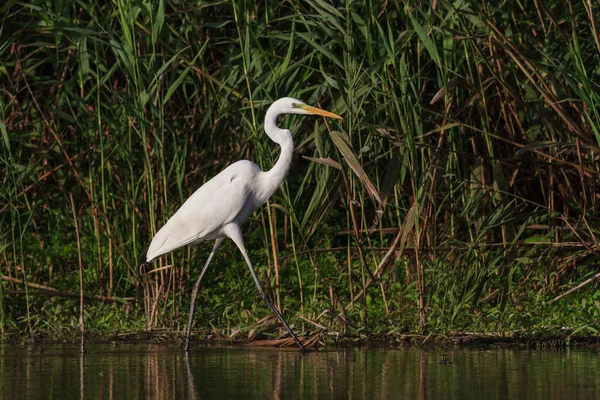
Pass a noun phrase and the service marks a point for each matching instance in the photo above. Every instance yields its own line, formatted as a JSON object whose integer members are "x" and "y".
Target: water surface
{"x": 149, "y": 371}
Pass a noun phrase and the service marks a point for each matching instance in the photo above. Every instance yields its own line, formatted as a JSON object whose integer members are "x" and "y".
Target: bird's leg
{"x": 233, "y": 231}
{"x": 195, "y": 293}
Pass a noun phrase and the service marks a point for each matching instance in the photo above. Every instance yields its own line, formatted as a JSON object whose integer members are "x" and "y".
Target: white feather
{"x": 221, "y": 205}
{"x": 232, "y": 195}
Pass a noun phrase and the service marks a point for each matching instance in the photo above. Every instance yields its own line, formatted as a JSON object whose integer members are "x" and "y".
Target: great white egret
{"x": 218, "y": 208}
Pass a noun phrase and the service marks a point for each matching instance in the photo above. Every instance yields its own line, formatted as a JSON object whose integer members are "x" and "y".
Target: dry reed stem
{"x": 81, "y": 297}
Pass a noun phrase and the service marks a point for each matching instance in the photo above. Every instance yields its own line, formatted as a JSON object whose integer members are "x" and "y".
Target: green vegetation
{"x": 477, "y": 126}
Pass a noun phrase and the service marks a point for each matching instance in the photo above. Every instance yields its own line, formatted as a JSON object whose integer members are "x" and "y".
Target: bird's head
{"x": 289, "y": 105}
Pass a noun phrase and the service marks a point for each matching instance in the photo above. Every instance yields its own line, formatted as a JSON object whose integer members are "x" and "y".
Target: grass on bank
{"x": 475, "y": 123}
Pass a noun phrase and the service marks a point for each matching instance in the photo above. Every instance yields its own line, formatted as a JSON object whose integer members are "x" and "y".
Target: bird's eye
{"x": 296, "y": 105}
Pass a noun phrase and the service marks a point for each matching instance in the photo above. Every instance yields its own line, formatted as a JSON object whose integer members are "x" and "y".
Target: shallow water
{"x": 146, "y": 371}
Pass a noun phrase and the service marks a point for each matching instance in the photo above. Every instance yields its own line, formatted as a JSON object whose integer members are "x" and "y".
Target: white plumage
{"x": 218, "y": 208}
{"x": 229, "y": 197}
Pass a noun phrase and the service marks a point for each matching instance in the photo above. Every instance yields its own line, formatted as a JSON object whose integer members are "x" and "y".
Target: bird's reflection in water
{"x": 164, "y": 371}
{"x": 190, "y": 378}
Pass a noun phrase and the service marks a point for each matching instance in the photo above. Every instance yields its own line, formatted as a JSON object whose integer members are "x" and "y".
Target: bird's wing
{"x": 212, "y": 206}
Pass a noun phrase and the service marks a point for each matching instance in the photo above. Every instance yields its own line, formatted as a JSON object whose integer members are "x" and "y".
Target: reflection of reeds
{"x": 157, "y": 372}
{"x": 82, "y": 373}
{"x": 474, "y": 130}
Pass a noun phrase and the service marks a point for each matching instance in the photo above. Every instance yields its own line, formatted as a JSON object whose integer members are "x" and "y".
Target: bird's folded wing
{"x": 211, "y": 207}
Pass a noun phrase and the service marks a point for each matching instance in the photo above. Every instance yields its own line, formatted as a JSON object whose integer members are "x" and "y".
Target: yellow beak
{"x": 318, "y": 111}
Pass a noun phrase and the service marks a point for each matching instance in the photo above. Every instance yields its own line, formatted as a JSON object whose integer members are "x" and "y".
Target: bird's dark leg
{"x": 233, "y": 231}
{"x": 195, "y": 293}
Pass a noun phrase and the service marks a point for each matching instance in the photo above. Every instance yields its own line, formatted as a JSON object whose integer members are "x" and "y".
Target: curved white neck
{"x": 283, "y": 138}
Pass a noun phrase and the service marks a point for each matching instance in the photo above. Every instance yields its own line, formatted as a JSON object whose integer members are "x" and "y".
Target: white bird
{"x": 218, "y": 208}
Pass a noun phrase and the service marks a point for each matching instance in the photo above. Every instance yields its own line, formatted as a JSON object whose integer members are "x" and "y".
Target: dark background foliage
{"x": 459, "y": 193}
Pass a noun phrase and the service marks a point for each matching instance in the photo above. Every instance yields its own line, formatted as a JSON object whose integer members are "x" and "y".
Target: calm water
{"x": 164, "y": 372}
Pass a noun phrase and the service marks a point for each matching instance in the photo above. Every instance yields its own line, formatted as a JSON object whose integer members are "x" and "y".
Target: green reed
{"x": 460, "y": 189}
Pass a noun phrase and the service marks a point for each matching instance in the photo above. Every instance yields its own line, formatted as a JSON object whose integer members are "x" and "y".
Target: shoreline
{"x": 320, "y": 341}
